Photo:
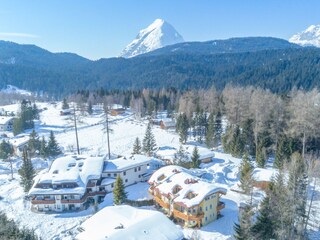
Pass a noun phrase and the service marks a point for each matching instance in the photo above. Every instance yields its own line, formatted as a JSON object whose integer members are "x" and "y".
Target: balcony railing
{"x": 187, "y": 217}
{"x": 43, "y": 201}
{"x": 161, "y": 202}
{"x": 220, "y": 206}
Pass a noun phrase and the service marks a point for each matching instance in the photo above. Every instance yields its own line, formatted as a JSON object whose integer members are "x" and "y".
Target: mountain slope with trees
{"x": 268, "y": 63}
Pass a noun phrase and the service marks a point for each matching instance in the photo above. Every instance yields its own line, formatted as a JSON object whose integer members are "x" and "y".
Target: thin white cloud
{"x": 17, "y": 35}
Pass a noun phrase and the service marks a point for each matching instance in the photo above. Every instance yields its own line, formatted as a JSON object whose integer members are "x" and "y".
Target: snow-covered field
{"x": 93, "y": 141}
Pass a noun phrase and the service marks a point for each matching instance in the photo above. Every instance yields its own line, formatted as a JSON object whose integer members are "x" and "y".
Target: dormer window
{"x": 161, "y": 177}
{"x": 71, "y": 165}
{"x": 176, "y": 189}
{"x": 55, "y": 172}
{"x": 80, "y": 164}
{"x": 190, "y": 195}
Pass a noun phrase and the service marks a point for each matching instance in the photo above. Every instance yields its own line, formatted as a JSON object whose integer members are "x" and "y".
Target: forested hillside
{"x": 265, "y": 62}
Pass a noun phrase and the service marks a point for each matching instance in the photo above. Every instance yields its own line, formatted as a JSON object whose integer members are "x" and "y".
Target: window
{"x": 139, "y": 176}
{"x": 112, "y": 185}
{"x": 139, "y": 169}
{"x": 135, "y": 169}
{"x": 210, "y": 206}
{"x": 206, "y": 219}
{"x": 109, "y": 174}
{"x": 114, "y": 174}
{"x": 126, "y": 180}
{"x": 124, "y": 173}
{"x": 200, "y": 209}
{"x": 206, "y": 208}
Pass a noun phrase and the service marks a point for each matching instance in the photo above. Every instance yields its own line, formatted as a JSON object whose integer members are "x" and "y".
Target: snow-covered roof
{"x": 69, "y": 169}
{"x": 107, "y": 181}
{"x": 168, "y": 122}
{"x": 5, "y": 120}
{"x": 169, "y": 152}
{"x": 166, "y": 152}
{"x": 169, "y": 177}
{"x": 264, "y": 175}
{"x": 19, "y": 140}
{"x": 125, "y": 222}
{"x": 203, "y": 152}
{"x": 123, "y": 163}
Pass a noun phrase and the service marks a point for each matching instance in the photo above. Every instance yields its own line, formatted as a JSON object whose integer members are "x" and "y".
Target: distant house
{"x": 262, "y": 177}
{"x": 167, "y": 124}
{"x": 125, "y": 222}
{"x": 65, "y": 112}
{"x": 205, "y": 154}
{"x": 167, "y": 154}
{"x": 6, "y": 123}
{"x": 117, "y": 111}
{"x": 187, "y": 199}
{"x": 19, "y": 143}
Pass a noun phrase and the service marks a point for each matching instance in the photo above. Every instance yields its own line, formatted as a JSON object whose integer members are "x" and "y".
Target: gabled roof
{"x": 172, "y": 176}
{"x": 124, "y": 163}
{"x": 5, "y": 120}
{"x": 125, "y": 222}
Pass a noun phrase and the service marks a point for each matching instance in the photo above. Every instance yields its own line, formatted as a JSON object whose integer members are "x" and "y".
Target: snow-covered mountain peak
{"x": 156, "y": 35}
{"x": 309, "y": 37}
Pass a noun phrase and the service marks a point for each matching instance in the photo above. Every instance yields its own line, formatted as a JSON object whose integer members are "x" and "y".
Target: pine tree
{"x": 248, "y": 136}
{"x": 53, "y": 148}
{"x": 182, "y": 127}
{"x": 26, "y": 172}
{"x": 195, "y": 158}
{"x": 65, "y": 104}
{"x": 17, "y": 126}
{"x": 89, "y": 110}
{"x": 119, "y": 193}
{"x": 260, "y": 156}
{"x": 217, "y": 129}
{"x": 181, "y": 158}
{"x": 6, "y": 150}
{"x": 25, "y": 118}
{"x": 149, "y": 142}
{"x": 265, "y": 225}
{"x": 210, "y": 135}
{"x": 137, "y": 146}
{"x": 243, "y": 228}
{"x": 246, "y": 178}
{"x": 43, "y": 148}
{"x": 237, "y": 147}
{"x": 283, "y": 152}
{"x": 34, "y": 143}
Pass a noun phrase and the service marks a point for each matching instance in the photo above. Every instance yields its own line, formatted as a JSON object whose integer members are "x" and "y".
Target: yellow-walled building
{"x": 186, "y": 198}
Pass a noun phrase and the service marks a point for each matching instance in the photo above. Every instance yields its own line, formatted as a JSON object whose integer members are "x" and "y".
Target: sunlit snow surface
{"x": 93, "y": 141}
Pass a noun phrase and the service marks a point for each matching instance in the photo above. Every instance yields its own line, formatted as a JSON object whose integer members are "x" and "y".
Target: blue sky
{"x": 102, "y": 28}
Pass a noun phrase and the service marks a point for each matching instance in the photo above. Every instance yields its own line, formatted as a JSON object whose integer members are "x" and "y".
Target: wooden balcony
{"x": 44, "y": 201}
{"x": 91, "y": 185}
{"x": 161, "y": 202}
{"x": 220, "y": 206}
{"x": 188, "y": 217}
{"x": 84, "y": 197}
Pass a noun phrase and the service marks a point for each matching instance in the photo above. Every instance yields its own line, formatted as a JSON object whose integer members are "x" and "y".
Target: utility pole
{"x": 75, "y": 128}
{"x": 10, "y": 160}
{"x": 108, "y": 132}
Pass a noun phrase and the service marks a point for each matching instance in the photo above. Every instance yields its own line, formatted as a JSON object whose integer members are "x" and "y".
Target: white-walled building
{"x": 6, "y": 123}
{"x": 71, "y": 183}
{"x": 125, "y": 222}
{"x": 133, "y": 169}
